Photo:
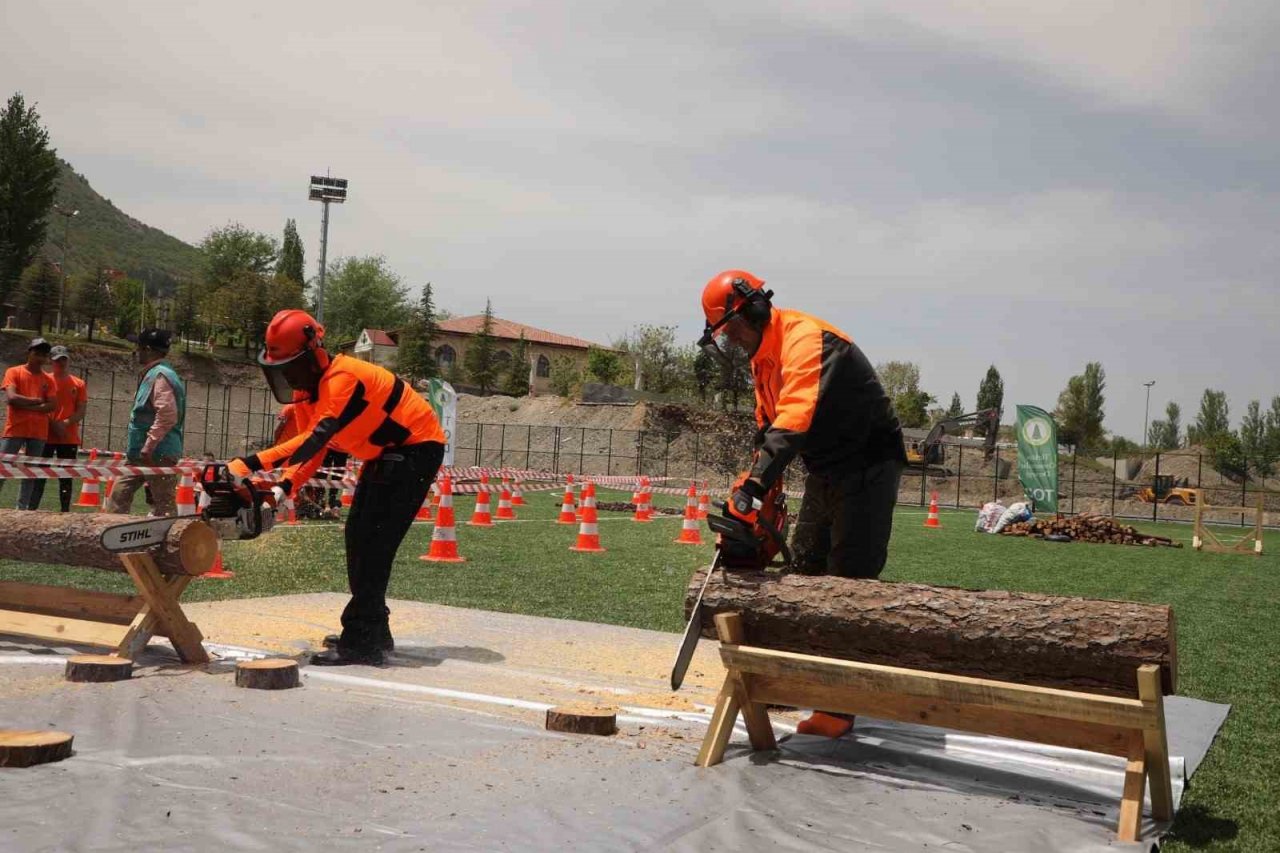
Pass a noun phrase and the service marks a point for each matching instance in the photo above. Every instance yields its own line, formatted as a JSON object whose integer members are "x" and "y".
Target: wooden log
{"x": 73, "y": 539}
{"x": 23, "y": 748}
{"x": 582, "y": 720}
{"x": 267, "y": 674}
{"x": 98, "y": 668}
{"x": 1069, "y": 643}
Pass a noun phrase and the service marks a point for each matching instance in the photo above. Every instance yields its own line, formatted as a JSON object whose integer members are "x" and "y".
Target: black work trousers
{"x": 390, "y": 491}
{"x": 65, "y": 484}
{"x": 845, "y": 520}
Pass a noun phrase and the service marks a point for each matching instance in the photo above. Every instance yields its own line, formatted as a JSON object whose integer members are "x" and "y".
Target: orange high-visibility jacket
{"x": 819, "y": 397}
{"x": 361, "y": 409}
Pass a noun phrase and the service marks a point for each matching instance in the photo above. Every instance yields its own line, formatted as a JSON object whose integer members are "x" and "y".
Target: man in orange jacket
{"x": 817, "y": 397}
{"x": 369, "y": 412}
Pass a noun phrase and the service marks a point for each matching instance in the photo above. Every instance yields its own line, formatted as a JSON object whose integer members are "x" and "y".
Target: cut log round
{"x": 582, "y": 720}
{"x": 1052, "y": 641}
{"x": 73, "y": 539}
{"x": 268, "y": 674}
{"x": 19, "y": 748}
{"x": 98, "y": 668}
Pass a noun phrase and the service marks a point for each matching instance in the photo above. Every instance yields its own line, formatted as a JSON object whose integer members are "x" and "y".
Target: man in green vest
{"x": 155, "y": 426}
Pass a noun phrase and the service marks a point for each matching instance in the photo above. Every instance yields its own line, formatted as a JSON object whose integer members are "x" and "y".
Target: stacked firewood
{"x": 1088, "y": 528}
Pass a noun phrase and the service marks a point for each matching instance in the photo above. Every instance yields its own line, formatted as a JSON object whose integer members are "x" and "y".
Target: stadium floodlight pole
{"x": 1146, "y": 414}
{"x": 66, "y": 237}
{"x": 325, "y": 190}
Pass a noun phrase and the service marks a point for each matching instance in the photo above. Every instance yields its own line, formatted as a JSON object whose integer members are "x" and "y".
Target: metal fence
{"x": 225, "y": 420}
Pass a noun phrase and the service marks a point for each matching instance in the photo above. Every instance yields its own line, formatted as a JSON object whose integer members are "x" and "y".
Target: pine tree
{"x": 416, "y": 355}
{"x": 990, "y": 396}
{"x": 28, "y": 184}
{"x": 957, "y": 408}
{"x": 40, "y": 284}
{"x": 292, "y": 264}
{"x": 481, "y": 359}
{"x": 517, "y": 384}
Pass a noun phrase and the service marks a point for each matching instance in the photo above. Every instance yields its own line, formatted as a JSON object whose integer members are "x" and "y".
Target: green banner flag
{"x": 1038, "y": 457}
{"x": 444, "y": 400}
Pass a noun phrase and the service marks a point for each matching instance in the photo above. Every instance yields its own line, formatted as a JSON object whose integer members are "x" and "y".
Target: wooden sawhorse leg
{"x": 735, "y": 697}
{"x": 161, "y": 613}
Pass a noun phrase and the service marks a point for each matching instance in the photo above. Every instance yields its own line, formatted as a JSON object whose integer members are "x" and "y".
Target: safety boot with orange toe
{"x": 825, "y": 725}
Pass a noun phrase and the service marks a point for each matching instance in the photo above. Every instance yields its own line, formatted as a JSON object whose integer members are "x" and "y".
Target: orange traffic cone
{"x": 646, "y": 499}
{"x": 482, "y": 517}
{"x": 932, "y": 520}
{"x": 444, "y": 539}
{"x": 217, "y": 571}
{"x": 111, "y": 481}
{"x": 517, "y": 496}
{"x": 567, "y": 515}
{"x": 589, "y": 528}
{"x": 643, "y": 511}
{"x": 89, "y": 494}
{"x": 424, "y": 511}
{"x": 349, "y": 488}
{"x": 704, "y": 503}
{"x": 689, "y": 532}
{"x": 292, "y": 512}
{"x": 505, "y": 512}
{"x": 185, "y": 495}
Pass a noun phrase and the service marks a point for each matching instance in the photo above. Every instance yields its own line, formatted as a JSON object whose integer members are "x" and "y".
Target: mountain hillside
{"x": 103, "y": 235}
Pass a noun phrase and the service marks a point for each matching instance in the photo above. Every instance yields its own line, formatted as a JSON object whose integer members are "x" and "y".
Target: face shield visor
{"x": 709, "y": 343}
{"x": 302, "y": 372}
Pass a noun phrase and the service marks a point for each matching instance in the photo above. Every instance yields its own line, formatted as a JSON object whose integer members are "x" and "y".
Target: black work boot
{"x": 342, "y": 656}
{"x": 386, "y": 644}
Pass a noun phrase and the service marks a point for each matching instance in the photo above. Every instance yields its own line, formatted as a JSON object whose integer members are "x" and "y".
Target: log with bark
{"x": 72, "y": 538}
{"x": 1052, "y": 641}
{"x": 1088, "y": 528}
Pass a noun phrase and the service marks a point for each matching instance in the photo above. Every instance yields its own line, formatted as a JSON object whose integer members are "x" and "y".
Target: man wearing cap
{"x": 155, "y": 426}
{"x": 29, "y": 393}
{"x": 71, "y": 397}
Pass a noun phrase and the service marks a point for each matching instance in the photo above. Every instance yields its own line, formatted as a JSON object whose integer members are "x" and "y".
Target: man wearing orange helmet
{"x": 370, "y": 413}
{"x": 817, "y": 396}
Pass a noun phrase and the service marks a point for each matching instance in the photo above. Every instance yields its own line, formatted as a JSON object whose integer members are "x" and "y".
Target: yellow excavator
{"x": 1165, "y": 490}
{"x": 927, "y": 454}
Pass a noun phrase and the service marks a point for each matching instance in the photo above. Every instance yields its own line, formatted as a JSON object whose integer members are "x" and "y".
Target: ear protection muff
{"x": 316, "y": 345}
{"x": 757, "y": 307}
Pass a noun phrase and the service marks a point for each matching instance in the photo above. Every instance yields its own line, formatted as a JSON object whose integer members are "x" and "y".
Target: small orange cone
{"x": 643, "y": 511}
{"x": 589, "y": 528}
{"x": 185, "y": 495}
{"x": 646, "y": 499}
{"x": 505, "y": 512}
{"x": 482, "y": 517}
{"x": 217, "y": 571}
{"x": 444, "y": 538}
{"x": 517, "y": 496}
{"x": 932, "y": 520}
{"x": 704, "y": 503}
{"x": 424, "y": 511}
{"x": 89, "y": 494}
{"x": 567, "y": 515}
{"x": 689, "y": 528}
{"x": 111, "y": 481}
{"x": 292, "y": 512}
{"x": 349, "y": 488}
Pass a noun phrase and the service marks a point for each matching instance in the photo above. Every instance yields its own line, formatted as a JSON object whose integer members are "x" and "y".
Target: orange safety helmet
{"x": 293, "y": 357}
{"x": 728, "y": 293}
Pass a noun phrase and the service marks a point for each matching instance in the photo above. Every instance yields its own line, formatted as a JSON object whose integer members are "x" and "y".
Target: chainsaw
{"x": 741, "y": 545}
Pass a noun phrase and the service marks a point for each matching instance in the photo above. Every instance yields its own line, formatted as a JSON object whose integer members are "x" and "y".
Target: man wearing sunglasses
{"x": 818, "y": 397}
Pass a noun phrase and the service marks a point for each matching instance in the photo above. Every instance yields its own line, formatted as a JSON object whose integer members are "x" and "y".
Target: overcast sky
{"x": 1034, "y": 185}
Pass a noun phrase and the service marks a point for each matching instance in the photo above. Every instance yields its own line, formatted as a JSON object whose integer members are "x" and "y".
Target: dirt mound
{"x": 105, "y": 359}
{"x": 548, "y": 411}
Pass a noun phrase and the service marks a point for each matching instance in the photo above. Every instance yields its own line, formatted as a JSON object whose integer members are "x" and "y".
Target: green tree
{"x": 517, "y": 382}
{"x": 1212, "y": 419}
{"x": 186, "y": 311}
{"x": 292, "y": 264}
{"x": 1226, "y": 454}
{"x": 233, "y": 249}
{"x": 92, "y": 299}
{"x": 956, "y": 409}
{"x": 990, "y": 396}
{"x": 901, "y": 381}
{"x": 362, "y": 293}
{"x": 704, "y": 373}
{"x": 481, "y": 360}
{"x": 416, "y": 357}
{"x": 1253, "y": 437}
{"x": 654, "y": 349}
{"x": 566, "y": 378}
{"x": 127, "y": 313}
{"x": 1080, "y": 408}
{"x": 1165, "y": 434}
{"x": 1273, "y": 430}
{"x": 734, "y": 378}
{"x": 28, "y": 183}
{"x": 39, "y": 287}
{"x": 604, "y": 365}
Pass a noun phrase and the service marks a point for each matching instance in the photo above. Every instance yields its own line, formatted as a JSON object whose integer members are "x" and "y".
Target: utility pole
{"x": 325, "y": 190}
{"x": 66, "y": 239}
{"x": 1146, "y": 414}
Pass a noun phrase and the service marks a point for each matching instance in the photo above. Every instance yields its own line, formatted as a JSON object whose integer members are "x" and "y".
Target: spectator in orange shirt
{"x": 29, "y": 392}
{"x": 71, "y": 396}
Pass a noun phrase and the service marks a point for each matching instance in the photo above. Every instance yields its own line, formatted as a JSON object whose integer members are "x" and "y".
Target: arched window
{"x": 446, "y": 356}
{"x": 544, "y": 367}
{"x": 502, "y": 358}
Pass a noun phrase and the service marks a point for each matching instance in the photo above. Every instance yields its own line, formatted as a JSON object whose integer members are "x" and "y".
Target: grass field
{"x": 1227, "y": 606}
